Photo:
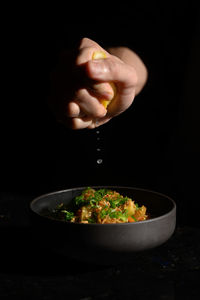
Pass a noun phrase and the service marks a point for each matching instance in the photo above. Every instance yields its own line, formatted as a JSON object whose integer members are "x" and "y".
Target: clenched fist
{"x": 79, "y": 83}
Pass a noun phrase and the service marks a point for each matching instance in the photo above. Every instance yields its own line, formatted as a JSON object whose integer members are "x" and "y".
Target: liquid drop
{"x": 99, "y": 161}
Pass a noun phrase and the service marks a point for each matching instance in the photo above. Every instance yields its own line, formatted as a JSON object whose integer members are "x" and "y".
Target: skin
{"x": 78, "y": 82}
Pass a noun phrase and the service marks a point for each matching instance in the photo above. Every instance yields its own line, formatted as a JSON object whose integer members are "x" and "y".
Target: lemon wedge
{"x": 100, "y": 55}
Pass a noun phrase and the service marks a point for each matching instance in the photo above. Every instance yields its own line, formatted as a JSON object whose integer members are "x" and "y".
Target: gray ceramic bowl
{"x": 104, "y": 243}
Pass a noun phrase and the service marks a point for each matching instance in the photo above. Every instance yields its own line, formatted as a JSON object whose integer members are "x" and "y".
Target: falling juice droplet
{"x": 99, "y": 161}
{"x": 98, "y": 132}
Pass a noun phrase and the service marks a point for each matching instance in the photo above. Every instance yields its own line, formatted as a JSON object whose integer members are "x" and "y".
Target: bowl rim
{"x": 173, "y": 210}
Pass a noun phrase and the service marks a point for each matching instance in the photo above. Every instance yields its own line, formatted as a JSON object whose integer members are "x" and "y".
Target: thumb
{"x": 112, "y": 69}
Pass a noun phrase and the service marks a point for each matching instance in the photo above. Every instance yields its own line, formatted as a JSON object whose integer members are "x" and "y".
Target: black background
{"x": 154, "y": 144}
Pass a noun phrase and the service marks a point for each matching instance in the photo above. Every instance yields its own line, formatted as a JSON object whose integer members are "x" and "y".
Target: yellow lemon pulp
{"x": 100, "y": 55}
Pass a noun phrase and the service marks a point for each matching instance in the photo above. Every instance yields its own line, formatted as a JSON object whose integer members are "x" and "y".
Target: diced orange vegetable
{"x": 100, "y": 55}
{"x": 131, "y": 220}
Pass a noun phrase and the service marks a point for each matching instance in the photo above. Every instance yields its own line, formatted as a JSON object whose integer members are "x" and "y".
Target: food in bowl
{"x": 102, "y": 206}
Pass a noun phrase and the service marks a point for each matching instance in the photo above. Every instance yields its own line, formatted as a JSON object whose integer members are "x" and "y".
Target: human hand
{"x": 79, "y": 83}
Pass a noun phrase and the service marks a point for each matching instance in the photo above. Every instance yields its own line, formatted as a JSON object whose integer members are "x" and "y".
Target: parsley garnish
{"x": 68, "y": 214}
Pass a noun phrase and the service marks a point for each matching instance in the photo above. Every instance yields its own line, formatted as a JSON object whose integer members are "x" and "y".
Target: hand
{"x": 78, "y": 83}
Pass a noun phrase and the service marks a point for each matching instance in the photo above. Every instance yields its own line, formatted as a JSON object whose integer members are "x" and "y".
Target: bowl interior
{"x": 157, "y": 204}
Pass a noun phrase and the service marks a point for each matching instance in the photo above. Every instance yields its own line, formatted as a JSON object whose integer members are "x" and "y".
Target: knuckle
{"x": 112, "y": 67}
{"x": 85, "y": 42}
{"x": 80, "y": 95}
{"x": 134, "y": 77}
{"x": 85, "y": 51}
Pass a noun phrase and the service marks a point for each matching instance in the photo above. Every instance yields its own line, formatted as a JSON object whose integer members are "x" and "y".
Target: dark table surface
{"x": 27, "y": 271}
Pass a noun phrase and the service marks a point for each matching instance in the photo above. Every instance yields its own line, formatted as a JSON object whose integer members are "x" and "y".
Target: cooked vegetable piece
{"x": 140, "y": 213}
{"x": 130, "y": 206}
{"x": 85, "y": 213}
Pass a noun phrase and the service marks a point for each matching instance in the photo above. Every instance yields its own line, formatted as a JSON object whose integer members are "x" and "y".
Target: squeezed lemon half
{"x": 100, "y": 55}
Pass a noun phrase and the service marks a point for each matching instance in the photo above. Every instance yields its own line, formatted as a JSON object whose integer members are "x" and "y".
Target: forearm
{"x": 131, "y": 58}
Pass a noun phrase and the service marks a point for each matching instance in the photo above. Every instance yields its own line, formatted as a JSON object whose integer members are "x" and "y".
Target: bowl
{"x": 103, "y": 243}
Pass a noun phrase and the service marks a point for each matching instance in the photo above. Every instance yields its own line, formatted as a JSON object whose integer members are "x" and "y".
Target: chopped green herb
{"x": 79, "y": 200}
{"x": 68, "y": 214}
{"x": 91, "y": 220}
{"x": 103, "y": 213}
{"x": 137, "y": 206}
